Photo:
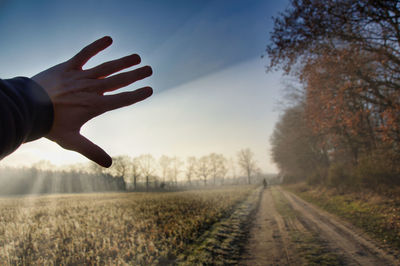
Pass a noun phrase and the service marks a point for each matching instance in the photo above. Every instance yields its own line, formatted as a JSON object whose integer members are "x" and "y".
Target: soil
{"x": 272, "y": 238}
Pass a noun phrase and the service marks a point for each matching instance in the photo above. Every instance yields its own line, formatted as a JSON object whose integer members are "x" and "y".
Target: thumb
{"x": 90, "y": 150}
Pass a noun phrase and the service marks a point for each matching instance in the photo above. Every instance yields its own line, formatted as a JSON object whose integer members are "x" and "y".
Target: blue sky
{"x": 199, "y": 50}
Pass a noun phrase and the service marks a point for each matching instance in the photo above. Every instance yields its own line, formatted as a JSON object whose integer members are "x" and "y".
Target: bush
{"x": 317, "y": 177}
{"x": 376, "y": 170}
{"x": 290, "y": 179}
{"x": 339, "y": 175}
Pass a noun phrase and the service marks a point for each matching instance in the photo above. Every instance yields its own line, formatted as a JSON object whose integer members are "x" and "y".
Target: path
{"x": 273, "y": 235}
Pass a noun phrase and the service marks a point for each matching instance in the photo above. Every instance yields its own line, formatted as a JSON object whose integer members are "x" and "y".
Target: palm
{"x": 78, "y": 96}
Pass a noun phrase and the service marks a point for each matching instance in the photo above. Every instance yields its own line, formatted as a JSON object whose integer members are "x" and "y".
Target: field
{"x": 121, "y": 228}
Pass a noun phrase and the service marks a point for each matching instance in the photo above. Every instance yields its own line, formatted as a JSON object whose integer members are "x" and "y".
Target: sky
{"x": 211, "y": 91}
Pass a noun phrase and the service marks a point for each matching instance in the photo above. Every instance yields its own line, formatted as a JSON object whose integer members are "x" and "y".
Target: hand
{"x": 78, "y": 96}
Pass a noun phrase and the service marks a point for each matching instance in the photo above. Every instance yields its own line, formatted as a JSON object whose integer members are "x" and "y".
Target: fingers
{"x": 111, "y": 67}
{"x": 124, "y": 79}
{"x": 122, "y": 99}
{"x": 89, "y": 51}
{"x": 90, "y": 150}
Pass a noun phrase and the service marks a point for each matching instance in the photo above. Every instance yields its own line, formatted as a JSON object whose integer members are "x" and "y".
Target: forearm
{"x": 26, "y": 113}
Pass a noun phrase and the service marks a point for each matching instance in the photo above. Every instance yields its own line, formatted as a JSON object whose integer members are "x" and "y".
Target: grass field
{"x": 114, "y": 228}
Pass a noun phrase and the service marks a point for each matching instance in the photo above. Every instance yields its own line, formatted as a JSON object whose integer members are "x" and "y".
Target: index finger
{"x": 89, "y": 51}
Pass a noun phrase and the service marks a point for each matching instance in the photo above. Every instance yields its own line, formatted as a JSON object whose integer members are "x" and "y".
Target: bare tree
{"x": 191, "y": 163}
{"x": 147, "y": 165}
{"x": 43, "y": 165}
{"x": 176, "y": 165}
{"x": 247, "y": 162}
{"x": 223, "y": 169}
{"x": 165, "y": 165}
{"x": 214, "y": 164}
{"x": 120, "y": 167}
{"x": 232, "y": 168}
{"x": 217, "y": 166}
{"x": 203, "y": 168}
{"x": 135, "y": 171}
{"x": 97, "y": 169}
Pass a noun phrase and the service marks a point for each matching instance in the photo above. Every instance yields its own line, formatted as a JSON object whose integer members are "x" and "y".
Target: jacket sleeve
{"x": 26, "y": 113}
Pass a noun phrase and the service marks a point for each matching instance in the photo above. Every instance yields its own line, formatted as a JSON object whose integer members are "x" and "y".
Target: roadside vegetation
{"x": 377, "y": 214}
{"x": 339, "y": 131}
{"x": 342, "y": 124}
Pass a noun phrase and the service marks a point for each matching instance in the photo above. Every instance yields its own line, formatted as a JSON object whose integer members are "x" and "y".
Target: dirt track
{"x": 273, "y": 236}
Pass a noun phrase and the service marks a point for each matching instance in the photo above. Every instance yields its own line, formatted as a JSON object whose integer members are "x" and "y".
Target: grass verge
{"x": 378, "y": 215}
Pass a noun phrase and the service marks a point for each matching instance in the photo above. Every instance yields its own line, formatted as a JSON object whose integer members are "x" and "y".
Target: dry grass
{"x": 110, "y": 228}
{"x": 376, "y": 213}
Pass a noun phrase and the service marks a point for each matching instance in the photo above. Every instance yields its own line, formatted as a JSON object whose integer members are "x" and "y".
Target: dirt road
{"x": 289, "y": 231}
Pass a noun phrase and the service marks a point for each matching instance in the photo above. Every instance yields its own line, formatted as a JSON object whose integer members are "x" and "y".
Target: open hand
{"x": 78, "y": 96}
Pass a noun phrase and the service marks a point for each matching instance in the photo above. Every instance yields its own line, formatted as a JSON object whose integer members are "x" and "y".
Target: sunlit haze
{"x": 211, "y": 90}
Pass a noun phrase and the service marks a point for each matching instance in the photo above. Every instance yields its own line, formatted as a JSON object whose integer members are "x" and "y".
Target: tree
{"x": 309, "y": 28}
{"x": 165, "y": 165}
{"x": 176, "y": 165}
{"x": 147, "y": 168}
{"x": 121, "y": 166}
{"x": 232, "y": 168}
{"x": 218, "y": 168}
{"x": 294, "y": 148}
{"x": 247, "y": 163}
{"x": 203, "y": 168}
{"x": 43, "y": 165}
{"x": 191, "y": 163}
{"x": 336, "y": 106}
{"x": 135, "y": 171}
{"x": 223, "y": 169}
{"x": 347, "y": 55}
{"x": 97, "y": 169}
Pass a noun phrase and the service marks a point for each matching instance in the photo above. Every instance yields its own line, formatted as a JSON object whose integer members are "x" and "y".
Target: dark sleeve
{"x": 26, "y": 113}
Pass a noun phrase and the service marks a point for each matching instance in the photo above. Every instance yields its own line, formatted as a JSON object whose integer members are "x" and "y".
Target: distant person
{"x": 265, "y": 183}
{"x": 57, "y": 102}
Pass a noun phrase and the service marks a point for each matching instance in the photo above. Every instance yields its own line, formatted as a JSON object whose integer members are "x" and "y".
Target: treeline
{"x": 145, "y": 172}
{"x": 343, "y": 126}
{"x": 141, "y": 173}
{"x": 33, "y": 180}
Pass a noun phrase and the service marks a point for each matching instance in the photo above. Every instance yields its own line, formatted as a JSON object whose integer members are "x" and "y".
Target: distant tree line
{"x": 141, "y": 173}
{"x": 33, "y": 180}
{"x": 343, "y": 125}
{"x": 145, "y": 172}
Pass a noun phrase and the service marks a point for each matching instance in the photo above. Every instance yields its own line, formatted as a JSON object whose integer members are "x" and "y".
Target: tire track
{"x": 276, "y": 237}
{"x": 269, "y": 242}
{"x": 340, "y": 237}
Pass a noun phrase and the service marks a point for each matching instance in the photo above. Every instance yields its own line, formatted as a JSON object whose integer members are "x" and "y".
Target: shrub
{"x": 317, "y": 177}
{"x": 339, "y": 175}
{"x": 376, "y": 170}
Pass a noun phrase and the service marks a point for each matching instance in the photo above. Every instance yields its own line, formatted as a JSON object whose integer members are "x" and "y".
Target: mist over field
{"x": 272, "y": 135}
